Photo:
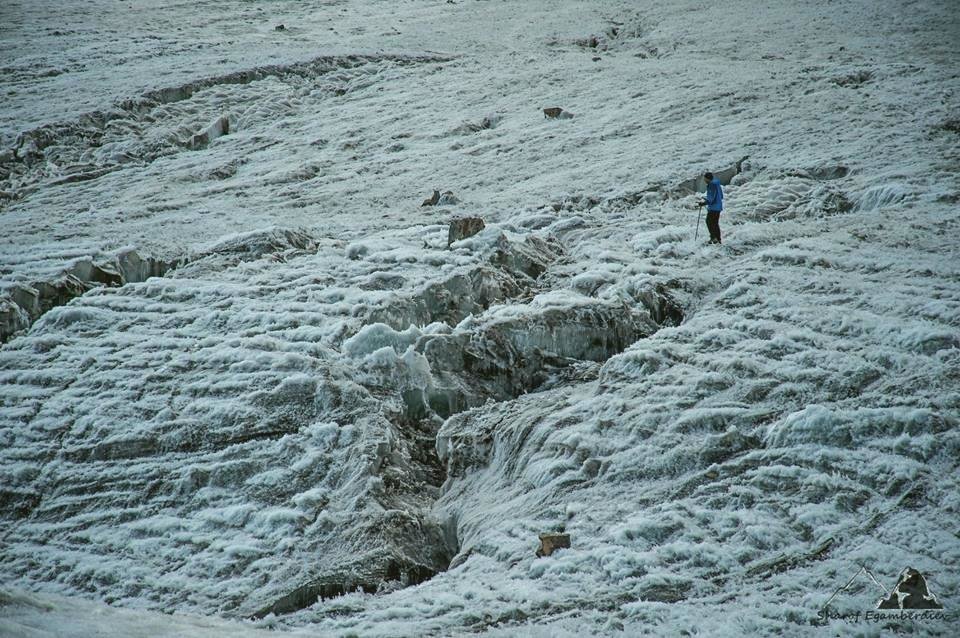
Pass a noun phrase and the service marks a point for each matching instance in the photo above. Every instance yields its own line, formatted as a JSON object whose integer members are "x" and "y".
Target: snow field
{"x": 257, "y": 427}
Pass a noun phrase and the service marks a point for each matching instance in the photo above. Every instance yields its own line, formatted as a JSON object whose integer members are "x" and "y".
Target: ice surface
{"x": 247, "y": 377}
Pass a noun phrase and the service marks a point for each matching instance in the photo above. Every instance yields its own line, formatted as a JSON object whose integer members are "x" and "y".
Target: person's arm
{"x": 711, "y": 198}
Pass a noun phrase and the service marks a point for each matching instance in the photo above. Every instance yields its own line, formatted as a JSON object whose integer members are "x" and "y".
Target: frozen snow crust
{"x": 297, "y": 408}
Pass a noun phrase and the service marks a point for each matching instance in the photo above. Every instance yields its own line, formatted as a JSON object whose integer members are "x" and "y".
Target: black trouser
{"x": 713, "y": 225}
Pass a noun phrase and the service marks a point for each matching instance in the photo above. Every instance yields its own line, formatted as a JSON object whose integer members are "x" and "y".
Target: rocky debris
{"x": 82, "y": 176}
{"x": 446, "y": 198}
{"x": 557, "y": 113}
{"x": 601, "y": 41}
{"x": 911, "y": 592}
{"x": 853, "y": 80}
{"x": 258, "y": 243}
{"x": 951, "y": 125}
{"x": 549, "y": 543}
{"x": 225, "y": 171}
{"x": 613, "y": 37}
{"x": 837, "y": 203}
{"x": 433, "y": 200}
{"x": 591, "y": 42}
{"x": 218, "y": 128}
{"x": 575, "y": 203}
{"x": 647, "y": 52}
{"x": 463, "y": 227}
{"x": 488, "y": 122}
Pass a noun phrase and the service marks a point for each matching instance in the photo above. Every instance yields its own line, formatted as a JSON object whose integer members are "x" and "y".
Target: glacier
{"x": 248, "y": 385}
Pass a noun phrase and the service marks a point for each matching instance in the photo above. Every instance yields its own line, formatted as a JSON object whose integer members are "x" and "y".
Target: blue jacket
{"x": 714, "y": 196}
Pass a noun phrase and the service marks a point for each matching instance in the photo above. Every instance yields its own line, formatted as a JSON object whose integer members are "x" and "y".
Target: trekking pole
{"x": 696, "y": 235}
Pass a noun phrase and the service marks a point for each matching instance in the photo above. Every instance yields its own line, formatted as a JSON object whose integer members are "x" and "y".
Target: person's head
{"x": 708, "y": 176}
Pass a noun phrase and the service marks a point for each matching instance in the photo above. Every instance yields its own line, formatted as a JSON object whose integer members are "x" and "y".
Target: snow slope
{"x": 321, "y": 399}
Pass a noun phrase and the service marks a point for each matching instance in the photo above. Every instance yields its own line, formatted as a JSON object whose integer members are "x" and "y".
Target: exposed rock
{"x": 464, "y": 227}
{"x": 951, "y": 125}
{"x": 555, "y": 112}
{"x": 591, "y": 42}
{"x": 549, "y": 543}
{"x": 853, "y": 80}
{"x": 432, "y": 200}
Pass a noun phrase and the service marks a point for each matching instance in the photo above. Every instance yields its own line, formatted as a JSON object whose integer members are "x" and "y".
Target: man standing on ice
{"x": 714, "y": 204}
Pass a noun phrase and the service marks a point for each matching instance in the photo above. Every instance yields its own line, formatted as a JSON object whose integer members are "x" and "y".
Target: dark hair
{"x": 708, "y": 175}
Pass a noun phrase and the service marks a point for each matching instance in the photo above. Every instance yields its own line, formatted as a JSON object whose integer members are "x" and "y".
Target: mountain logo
{"x": 910, "y": 592}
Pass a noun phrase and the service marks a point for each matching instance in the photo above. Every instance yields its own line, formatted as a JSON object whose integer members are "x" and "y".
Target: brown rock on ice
{"x": 557, "y": 113}
{"x": 549, "y": 543}
{"x": 464, "y": 227}
{"x": 432, "y": 200}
